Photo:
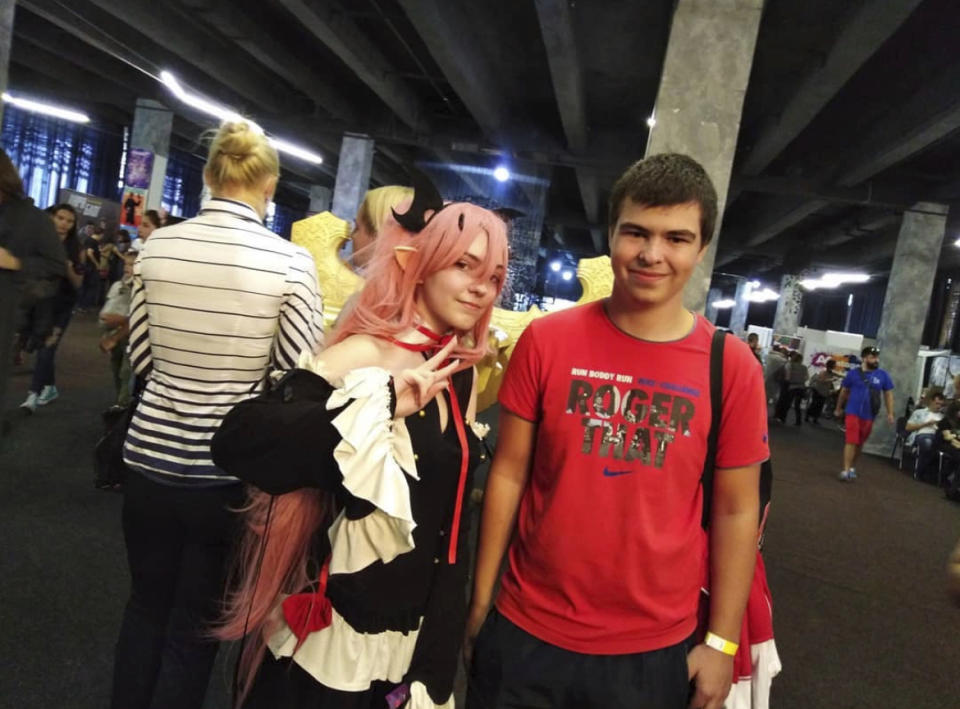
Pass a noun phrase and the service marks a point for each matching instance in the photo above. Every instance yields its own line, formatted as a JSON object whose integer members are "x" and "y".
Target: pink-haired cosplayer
{"x": 351, "y": 581}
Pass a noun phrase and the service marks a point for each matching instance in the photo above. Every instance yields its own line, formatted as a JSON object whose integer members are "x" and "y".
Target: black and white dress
{"x": 397, "y": 551}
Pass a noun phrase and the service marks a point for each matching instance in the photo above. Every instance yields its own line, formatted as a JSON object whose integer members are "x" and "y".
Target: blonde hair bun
{"x": 240, "y": 156}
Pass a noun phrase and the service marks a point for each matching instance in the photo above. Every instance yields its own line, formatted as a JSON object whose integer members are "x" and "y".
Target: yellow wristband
{"x": 718, "y": 643}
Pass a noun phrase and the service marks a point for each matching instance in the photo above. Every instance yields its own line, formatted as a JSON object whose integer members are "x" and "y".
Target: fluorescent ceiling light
{"x": 46, "y": 109}
{"x": 833, "y": 280}
{"x": 723, "y": 304}
{"x": 762, "y": 296}
{"x": 226, "y": 114}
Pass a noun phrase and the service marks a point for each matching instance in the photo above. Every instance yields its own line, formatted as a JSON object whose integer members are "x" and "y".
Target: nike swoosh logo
{"x": 614, "y": 473}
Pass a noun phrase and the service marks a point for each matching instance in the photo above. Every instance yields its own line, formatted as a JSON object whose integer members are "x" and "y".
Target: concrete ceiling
{"x": 852, "y": 112}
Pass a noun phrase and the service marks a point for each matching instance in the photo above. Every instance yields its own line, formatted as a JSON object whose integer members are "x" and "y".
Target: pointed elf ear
{"x": 402, "y": 254}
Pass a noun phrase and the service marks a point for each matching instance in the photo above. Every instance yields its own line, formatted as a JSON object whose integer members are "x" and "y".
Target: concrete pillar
{"x": 786, "y": 321}
{"x": 353, "y": 175}
{"x": 6, "y": 41}
{"x": 320, "y": 199}
{"x": 905, "y": 309}
{"x": 152, "y": 125}
{"x": 738, "y": 317}
{"x": 710, "y": 312}
{"x": 700, "y": 99}
{"x": 948, "y": 325}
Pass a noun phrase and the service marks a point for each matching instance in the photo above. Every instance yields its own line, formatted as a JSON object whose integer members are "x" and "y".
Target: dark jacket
{"x": 28, "y": 234}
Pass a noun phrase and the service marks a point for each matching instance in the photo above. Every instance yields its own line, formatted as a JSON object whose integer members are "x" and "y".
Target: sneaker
{"x": 30, "y": 403}
{"x": 844, "y": 476}
{"x": 852, "y": 474}
{"x": 48, "y": 394}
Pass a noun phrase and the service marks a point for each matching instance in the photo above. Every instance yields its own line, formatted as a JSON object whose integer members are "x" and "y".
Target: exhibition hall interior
{"x": 237, "y": 186}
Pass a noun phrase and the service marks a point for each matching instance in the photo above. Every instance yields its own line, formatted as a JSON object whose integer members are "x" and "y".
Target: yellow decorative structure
{"x": 323, "y": 235}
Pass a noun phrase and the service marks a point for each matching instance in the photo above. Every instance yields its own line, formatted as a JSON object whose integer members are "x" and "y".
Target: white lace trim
{"x": 375, "y": 455}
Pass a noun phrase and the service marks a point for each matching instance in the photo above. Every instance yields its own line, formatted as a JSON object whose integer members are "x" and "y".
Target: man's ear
{"x": 402, "y": 254}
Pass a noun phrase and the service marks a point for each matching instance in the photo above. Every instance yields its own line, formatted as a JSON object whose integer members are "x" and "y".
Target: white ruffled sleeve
{"x": 420, "y": 699}
{"x": 375, "y": 456}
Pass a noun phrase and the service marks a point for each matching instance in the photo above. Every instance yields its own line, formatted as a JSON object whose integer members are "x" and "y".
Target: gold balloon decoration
{"x": 324, "y": 234}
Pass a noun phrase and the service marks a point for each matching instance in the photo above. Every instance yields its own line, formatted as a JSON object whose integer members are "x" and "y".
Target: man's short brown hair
{"x": 664, "y": 181}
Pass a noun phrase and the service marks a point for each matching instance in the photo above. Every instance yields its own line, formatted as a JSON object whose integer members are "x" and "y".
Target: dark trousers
{"x": 44, "y": 369}
{"x": 926, "y": 455}
{"x": 178, "y": 540}
{"x": 815, "y": 409}
{"x": 789, "y": 397}
{"x": 9, "y": 302}
{"x": 512, "y": 669}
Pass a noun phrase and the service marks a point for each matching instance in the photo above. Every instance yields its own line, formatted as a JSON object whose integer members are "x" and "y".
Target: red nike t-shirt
{"x": 609, "y": 554}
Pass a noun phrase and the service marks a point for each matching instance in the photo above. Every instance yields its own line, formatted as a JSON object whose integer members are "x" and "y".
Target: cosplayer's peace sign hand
{"x": 415, "y": 387}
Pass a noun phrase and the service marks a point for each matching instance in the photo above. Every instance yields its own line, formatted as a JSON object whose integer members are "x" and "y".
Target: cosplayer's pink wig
{"x": 385, "y": 308}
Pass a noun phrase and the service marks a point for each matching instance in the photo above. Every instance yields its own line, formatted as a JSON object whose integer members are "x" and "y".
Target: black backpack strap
{"x": 716, "y": 412}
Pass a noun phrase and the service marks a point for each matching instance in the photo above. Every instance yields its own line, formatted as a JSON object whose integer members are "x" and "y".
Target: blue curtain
{"x": 283, "y": 218}
{"x": 827, "y": 309}
{"x": 50, "y": 154}
{"x": 182, "y": 184}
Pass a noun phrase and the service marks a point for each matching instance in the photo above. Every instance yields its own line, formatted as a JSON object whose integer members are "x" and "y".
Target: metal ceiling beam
{"x": 865, "y": 32}
{"x": 211, "y": 54}
{"x": 445, "y": 30}
{"x": 251, "y": 37}
{"x": 342, "y": 36}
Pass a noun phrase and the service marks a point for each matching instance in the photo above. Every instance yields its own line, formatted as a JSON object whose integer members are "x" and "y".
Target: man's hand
{"x": 416, "y": 387}
{"x": 712, "y": 674}
{"x": 838, "y": 413}
{"x": 890, "y": 419}
{"x": 8, "y": 261}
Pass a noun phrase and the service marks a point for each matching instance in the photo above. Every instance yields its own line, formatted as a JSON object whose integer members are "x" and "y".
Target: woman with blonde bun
{"x": 374, "y": 211}
{"x": 218, "y": 302}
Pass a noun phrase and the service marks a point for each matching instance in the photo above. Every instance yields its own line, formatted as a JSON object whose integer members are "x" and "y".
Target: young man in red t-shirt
{"x": 603, "y": 435}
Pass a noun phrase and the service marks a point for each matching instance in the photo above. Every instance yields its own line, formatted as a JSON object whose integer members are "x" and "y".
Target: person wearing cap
{"x": 860, "y": 395}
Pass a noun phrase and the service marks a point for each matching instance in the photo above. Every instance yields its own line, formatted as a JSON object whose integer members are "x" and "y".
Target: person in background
{"x": 795, "y": 375}
{"x": 29, "y": 248}
{"x": 373, "y": 212}
{"x": 148, "y": 224}
{"x": 922, "y": 427}
{"x": 821, "y": 387}
{"x": 219, "y": 302}
{"x": 114, "y": 254}
{"x": 860, "y": 394}
{"x": 43, "y": 387}
{"x": 91, "y": 245}
{"x": 951, "y": 387}
{"x": 753, "y": 342}
{"x": 115, "y": 326}
{"x": 772, "y": 372}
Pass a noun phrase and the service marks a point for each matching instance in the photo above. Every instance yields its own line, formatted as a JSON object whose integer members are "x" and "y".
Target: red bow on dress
{"x": 309, "y": 612}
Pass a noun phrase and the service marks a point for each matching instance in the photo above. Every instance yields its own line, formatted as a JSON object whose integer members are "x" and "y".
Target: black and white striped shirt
{"x": 218, "y": 301}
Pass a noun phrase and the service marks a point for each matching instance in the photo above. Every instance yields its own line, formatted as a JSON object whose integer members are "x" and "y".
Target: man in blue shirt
{"x": 860, "y": 395}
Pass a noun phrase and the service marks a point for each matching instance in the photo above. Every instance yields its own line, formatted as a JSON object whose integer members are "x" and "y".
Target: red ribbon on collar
{"x": 309, "y": 612}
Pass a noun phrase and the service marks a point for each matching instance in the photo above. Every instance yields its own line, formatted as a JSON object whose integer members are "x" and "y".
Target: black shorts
{"x": 512, "y": 669}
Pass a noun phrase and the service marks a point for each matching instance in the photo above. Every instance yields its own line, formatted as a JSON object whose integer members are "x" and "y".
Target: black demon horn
{"x": 426, "y": 198}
